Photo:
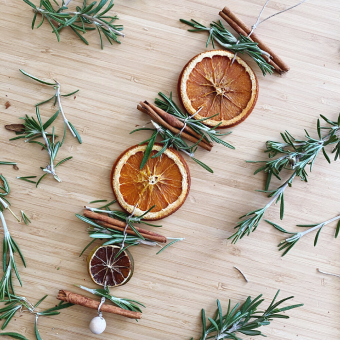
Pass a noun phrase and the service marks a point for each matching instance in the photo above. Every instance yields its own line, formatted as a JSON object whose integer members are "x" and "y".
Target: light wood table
{"x": 192, "y": 274}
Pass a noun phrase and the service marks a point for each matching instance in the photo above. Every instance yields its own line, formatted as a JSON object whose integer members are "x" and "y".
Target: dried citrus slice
{"x": 216, "y": 85}
{"x": 164, "y": 182}
{"x": 107, "y": 269}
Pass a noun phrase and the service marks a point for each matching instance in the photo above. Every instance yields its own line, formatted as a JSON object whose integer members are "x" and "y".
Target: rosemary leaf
{"x": 14, "y": 335}
{"x": 293, "y": 156}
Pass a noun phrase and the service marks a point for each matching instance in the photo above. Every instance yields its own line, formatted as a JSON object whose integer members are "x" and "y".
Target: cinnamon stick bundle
{"x": 109, "y": 222}
{"x": 148, "y": 109}
{"x": 81, "y": 300}
{"x": 241, "y": 28}
{"x": 172, "y": 120}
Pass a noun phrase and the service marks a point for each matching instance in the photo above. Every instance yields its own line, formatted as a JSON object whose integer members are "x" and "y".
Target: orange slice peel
{"x": 163, "y": 182}
{"x": 220, "y": 85}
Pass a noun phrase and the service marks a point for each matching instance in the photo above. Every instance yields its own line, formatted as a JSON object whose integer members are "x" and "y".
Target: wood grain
{"x": 192, "y": 274}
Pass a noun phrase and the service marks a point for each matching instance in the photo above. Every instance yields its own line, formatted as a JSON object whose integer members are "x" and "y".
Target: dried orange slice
{"x": 107, "y": 269}
{"x": 212, "y": 83}
{"x": 164, "y": 182}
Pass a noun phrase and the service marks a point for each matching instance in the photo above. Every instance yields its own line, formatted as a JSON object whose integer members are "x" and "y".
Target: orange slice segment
{"x": 212, "y": 83}
{"x": 106, "y": 268}
{"x": 164, "y": 182}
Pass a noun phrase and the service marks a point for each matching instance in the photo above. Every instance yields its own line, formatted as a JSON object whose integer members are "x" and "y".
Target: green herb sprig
{"x": 25, "y": 218}
{"x": 14, "y": 303}
{"x": 7, "y": 163}
{"x": 112, "y": 236}
{"x": 10, "y": 247}
{"x": 86, "y": 18}
{"x": 288, "y": 243}
{"x": 218, "y": 33}
{"x": 36, "y": 129}
{"x": 294, "y": 156}
{"x": 127, "y": 304}
{"x": 244, "y": 319}
{"x": 169, "y": 139}
{"x": 57, "y": 99}
{"x": 13, "y": 335}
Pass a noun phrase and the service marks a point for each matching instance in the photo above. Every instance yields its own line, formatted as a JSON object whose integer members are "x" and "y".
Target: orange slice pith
{"x": 211, "y": 81}
{"x": 107, "y": 269}
{"x": 164, "y": 182}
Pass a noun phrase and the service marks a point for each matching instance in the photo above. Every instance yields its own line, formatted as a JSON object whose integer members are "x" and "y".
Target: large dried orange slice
{"x": 216, "y": 85}
{"x": 108, "y": 269}
{"x": 164, "y": 182}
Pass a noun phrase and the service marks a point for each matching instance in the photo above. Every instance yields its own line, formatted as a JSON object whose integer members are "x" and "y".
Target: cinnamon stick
{"x": 240, "y": 27}
{"x": 109, "y": 222}
{"x": 144, "y": 107}
{"x": 81, "y": 300}
{"x": 173, "y": 121}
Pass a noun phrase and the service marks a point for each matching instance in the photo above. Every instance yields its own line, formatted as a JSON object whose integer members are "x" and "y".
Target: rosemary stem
{"x": 61, "y": 109}
{"x": 93, "y": 19}
{"x": 280, "y": 191}
{"x": 101, "y": 23}
{"x": 6, "y": 206}
{"x": 303, "y": 233}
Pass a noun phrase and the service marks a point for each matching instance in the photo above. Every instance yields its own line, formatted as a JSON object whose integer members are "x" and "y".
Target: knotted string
{"x": 258, "y": 21}
{"x": 185, "y": 121}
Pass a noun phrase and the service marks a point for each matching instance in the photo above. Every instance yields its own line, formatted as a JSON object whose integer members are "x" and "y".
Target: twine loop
{"x": 102, "y": 301}
{"x": 259, "y": 21}
{"x": 128, "y": 219}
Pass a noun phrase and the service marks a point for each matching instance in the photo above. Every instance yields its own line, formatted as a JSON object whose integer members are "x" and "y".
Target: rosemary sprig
{"x": 244, "y": 319}
{"x": 85, "y": 18}
{"x": 9, "y": 246}
{"x": 25, "y": 218}
{"x": 169, "y": 139}
{"x": 14, "y": 303}
{"x": 57, "y": 99}
{"x": 28, "y": 179}
{"x": 112, "y": 236}
{"x": 127, "y": 304}
{"x": 210, "y": 134}
{"x": 14, "y": 335}
{"x": 288, "y": 243}
{"x": 218, "y": 33}
{"x": 7, "y": 163}
{"x": 35, "y": 129}
{"x": 295, "y": 156}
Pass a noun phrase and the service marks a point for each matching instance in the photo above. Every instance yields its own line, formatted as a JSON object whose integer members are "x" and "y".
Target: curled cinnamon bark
{"x": 15, "y": 127}
{"x": 240, "y": 27}
{"x": 146, "y": 108}
{"x": 81, "y": 300}
{"x": 172, "y": 120}
{"x": 109, "y": 222}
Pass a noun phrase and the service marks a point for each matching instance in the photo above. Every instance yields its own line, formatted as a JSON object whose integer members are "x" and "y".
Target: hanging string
{"x": 127, "y": 224}
{"x": 259, "y": 21}
{"x": 102, "y": 301}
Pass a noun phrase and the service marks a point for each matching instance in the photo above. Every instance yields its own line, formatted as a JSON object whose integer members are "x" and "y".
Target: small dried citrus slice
{"x": 164, "y": 182}
{"x": 216, "y": 85}
{"x": 107, "y": 269}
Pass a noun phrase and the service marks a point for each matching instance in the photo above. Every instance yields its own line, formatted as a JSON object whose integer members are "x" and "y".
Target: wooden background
{"x": 176, "y": 284}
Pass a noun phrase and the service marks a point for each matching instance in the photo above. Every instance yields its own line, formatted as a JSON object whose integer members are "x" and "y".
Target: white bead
{"x": 97, "y": 325}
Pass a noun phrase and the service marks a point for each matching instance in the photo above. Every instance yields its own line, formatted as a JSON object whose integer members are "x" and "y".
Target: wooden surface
{"x": 192, "y": 274}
